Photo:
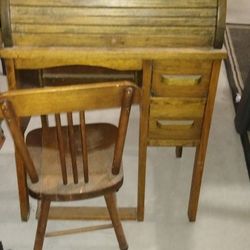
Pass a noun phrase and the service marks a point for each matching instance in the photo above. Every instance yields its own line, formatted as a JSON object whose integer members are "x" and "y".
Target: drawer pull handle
{"x": 176, "y": 80}
{"x": 175, "y": 124}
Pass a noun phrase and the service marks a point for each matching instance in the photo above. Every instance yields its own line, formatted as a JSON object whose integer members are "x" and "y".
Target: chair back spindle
{"x": 84, "y": 146}
{"x": 61, "y": 148}
{"x": 72, "y": 146}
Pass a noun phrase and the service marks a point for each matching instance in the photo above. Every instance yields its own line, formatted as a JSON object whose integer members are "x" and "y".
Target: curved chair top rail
{"x": 35, "y": 101}
{"x": 113, "y": 24}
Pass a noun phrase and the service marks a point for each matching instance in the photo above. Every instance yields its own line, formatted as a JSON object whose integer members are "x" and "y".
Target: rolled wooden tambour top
{"x": 105, "y": 23}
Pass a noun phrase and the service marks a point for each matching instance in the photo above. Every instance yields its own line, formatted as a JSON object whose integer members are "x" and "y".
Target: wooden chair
{"x": 72, "y": 162}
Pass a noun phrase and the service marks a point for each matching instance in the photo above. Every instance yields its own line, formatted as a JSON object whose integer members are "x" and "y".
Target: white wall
{"x": 238, "y": 11}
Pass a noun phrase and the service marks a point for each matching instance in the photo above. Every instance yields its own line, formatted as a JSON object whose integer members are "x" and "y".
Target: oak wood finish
{"x": 35, "y": 101}
{"x": 89, "y": 213}
{"x": 42, "y": 160}
{"x": 161, "y": 141}
{"x": 174, "y": 124}
{"x": 78, "y": 230}
{"x": 133, "y": 3}
{"x": 114, "y": 215}
{"x": 72, "y": 146}
{"x": 84, "y": 147}
{"x": 175, "y": 118}
{"x": 42, "y": 224}
{"x": 120, "y": 59}
{"x": 10, "y": 117}
{"x": 5, "y": 22}
{"x": 11, "y": 75}
{"x": 174, "y": 43}
{"x": 221, "y": 24}
{"x": 20, "y": 168}
{"x": 137, "y": 23}
{"x": 144, "y": 117}
{"x": 182, "y": 78}
{"x": 202, "y": 147}
{"x": 61, "y": 148}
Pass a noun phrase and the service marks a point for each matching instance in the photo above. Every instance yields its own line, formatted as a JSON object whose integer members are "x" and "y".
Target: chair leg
{"x": 114, "y": 216}
{"x": 22, "y": 188}
{"x": 42, "y": 223}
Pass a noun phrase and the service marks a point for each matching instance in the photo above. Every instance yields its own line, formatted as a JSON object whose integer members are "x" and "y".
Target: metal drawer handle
{"x": 183, "y": 80}
{"x": 175, "y": 124}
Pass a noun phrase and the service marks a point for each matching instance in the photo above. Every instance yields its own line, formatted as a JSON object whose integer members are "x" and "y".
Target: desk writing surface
{"x": 123, "y": 59}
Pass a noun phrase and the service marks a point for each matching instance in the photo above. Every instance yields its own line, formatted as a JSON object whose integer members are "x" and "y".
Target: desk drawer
{"x": 181, "y": 78}
{"x": 176, "y": 118}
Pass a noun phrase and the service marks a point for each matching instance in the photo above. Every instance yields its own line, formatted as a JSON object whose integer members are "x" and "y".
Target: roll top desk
{"x": 175, "y": 45}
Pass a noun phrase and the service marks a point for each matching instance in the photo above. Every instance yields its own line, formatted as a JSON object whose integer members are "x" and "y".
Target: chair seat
{"x": 43, "y": 147}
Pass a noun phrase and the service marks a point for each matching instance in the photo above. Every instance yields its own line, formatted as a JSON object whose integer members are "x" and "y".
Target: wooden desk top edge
{"x": 112, "y": 53}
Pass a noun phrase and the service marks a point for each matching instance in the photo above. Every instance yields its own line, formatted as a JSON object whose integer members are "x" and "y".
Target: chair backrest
{"x": 56, "y": 100}
{"x": 116, "y": 23}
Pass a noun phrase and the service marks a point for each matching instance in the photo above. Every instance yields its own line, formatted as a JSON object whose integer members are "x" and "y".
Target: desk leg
{"x": 141, "y": 180}
{"x": 202, "y": 147}
{"x": 22, "y": 188}
{"x": 143, "y": 137}
{"x": 196, "y": 183}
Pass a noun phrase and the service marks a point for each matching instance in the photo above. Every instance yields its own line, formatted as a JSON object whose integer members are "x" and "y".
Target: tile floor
{"x": 223, "y": 221}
